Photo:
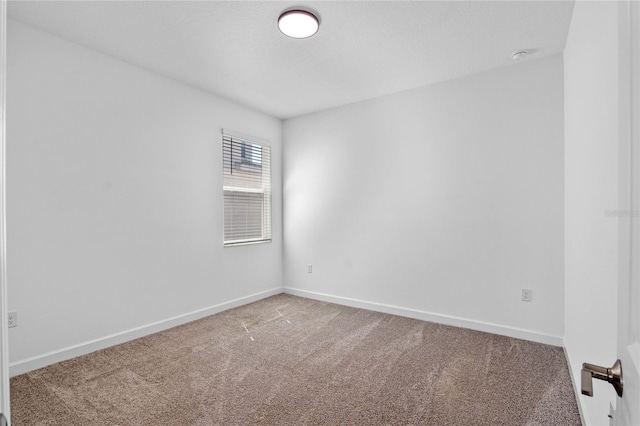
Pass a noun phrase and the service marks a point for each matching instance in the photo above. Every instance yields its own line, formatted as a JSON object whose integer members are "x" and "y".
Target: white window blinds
{"x": 247, "y": 191}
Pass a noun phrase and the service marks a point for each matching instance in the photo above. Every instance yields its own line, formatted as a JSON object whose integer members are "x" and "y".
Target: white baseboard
{"x": 487, "y": 327}
{"x": 39, "y": 361}
{"x": 576, "y": 387}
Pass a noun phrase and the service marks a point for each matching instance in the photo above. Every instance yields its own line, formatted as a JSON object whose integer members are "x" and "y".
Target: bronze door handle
{"x": 612, "y": 375}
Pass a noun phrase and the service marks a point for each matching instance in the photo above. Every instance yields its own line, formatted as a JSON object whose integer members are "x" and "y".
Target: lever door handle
{"x": 612, "y": 375}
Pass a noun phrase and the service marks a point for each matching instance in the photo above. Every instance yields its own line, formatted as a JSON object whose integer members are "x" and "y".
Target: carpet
{"x": 287, "y": 360}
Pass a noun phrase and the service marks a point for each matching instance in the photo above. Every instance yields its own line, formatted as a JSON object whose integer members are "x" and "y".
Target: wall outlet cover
{"x": 527, "y": 295}
{"x": 13, "y": 319}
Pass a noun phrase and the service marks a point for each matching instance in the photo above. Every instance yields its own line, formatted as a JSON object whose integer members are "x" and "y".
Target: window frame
{"x": 229, "y": 137}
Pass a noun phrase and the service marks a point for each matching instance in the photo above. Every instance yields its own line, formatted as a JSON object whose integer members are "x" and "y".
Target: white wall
{"x": 115, "y": 198}
{"x": 591, "y": 187}
{"x": 445, "y": 200}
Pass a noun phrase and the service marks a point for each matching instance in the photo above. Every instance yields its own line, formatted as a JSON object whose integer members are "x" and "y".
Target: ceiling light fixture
{"x": 298, "y": 23}
{"x": 517, "y": 56}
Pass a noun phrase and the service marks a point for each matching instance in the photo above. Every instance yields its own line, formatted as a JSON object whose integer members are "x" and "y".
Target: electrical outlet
{"x": 13, "y": 319}
{"x": 527, "y": 295}
{"x": 309, "y": 269}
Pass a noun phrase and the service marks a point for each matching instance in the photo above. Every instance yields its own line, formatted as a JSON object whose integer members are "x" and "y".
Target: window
{"x": 247, "y": 191}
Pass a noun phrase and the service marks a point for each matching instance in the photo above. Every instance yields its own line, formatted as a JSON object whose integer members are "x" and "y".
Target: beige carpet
{"x": 301, "y": 362}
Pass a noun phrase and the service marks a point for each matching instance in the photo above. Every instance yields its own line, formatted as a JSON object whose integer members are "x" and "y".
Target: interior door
{"x": 627, "y": 411}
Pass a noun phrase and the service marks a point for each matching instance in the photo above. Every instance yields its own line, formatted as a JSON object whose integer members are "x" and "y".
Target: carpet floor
{"x": 287, "y": 360}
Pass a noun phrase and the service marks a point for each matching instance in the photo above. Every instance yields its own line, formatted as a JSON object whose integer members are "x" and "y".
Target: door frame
{"x": 628, "y": 288}
{"x": 629, "y": 267}
{"x": 4, "y": 330}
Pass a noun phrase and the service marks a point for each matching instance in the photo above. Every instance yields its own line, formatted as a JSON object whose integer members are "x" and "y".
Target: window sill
{"x": 246, "y": 243}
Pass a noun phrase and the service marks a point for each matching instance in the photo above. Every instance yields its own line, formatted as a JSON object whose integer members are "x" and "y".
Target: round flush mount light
{"x": 298, "y": 23}
{"x": 517, "y": 56}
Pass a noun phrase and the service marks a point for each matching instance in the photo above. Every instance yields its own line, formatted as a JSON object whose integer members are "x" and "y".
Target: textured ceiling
{"x": 364, "y": 49}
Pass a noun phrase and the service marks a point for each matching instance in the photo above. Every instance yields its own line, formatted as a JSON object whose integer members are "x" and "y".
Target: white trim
{"x": 234, "y": 243}
{"x": 43, "y": 360}
{"x": 5, "y": 401}
{"x": 39, "y": 361}
{"x": 633, "y": 352}
{"x": 576, "y": 388}
{"x": 487, "y": 327}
